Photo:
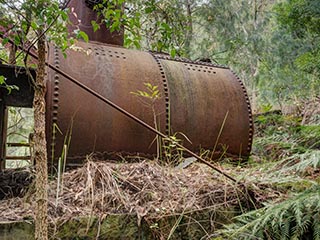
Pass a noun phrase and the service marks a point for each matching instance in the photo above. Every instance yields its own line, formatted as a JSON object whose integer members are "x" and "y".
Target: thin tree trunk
{"x": 40, "y": 151}
{"x": 189, "y": 30}
{"x": 12, "y": 54}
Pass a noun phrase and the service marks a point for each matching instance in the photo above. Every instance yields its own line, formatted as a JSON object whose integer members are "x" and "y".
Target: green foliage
{"x": 22, "y": 20}
{"x": 5, "y": 85}
{"x": 152, "y": 92}
{"x": 300, "y": 17}
{"x": 296, "y": 218}
{"x": 172, "y": 153}
{"x": 278, "y": 136}
{"x": 156, "y": 25}
{"x": 295, "y": 173}
{"x": 295, "y": 50}
{"x": 302, "y": 163}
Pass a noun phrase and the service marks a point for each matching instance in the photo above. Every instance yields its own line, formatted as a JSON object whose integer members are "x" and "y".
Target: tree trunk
{"x": 40, "y": 151}
{"x": 12, "y": 54}
{"x": 189, "y": 30}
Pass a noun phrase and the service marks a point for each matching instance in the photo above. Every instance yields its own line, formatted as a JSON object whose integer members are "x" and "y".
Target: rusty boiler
{"x": 205, "y": 102}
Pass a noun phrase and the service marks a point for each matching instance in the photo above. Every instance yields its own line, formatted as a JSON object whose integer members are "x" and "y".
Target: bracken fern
{"x": 295, "y": 218}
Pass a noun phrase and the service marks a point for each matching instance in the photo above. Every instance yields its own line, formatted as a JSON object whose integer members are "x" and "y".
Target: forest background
{"x": 274, "y": 47}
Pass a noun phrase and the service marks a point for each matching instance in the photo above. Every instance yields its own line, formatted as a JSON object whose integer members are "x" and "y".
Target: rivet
{"x": 56, "y": 99}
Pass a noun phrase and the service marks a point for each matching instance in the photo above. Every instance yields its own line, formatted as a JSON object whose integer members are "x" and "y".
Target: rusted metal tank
{"x": 205, "y": 102}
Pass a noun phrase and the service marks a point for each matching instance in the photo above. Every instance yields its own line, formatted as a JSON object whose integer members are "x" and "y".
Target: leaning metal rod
{"x": 118, "y": 108}
{"x": 138, "y": 120}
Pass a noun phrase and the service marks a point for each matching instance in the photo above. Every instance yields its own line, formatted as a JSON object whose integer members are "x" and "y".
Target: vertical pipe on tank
{"x": 81, "y": 14}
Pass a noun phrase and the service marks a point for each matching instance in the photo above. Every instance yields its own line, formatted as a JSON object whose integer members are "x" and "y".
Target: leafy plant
{"x": 156, "y": 25}
{"x": 5, "y": 85}
{"x": 296, "y": 218}
{"x": 172, "y": 152}
{"x": 149, "y": 98}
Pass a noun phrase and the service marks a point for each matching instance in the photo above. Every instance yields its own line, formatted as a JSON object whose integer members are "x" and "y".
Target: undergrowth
{"x": 286, "y": 155}
{"x": 296, "y": 218}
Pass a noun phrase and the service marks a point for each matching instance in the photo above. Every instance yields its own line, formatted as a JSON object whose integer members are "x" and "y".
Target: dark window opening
{"x": 19, "y": 129}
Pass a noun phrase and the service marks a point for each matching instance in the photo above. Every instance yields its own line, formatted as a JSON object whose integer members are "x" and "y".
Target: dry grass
{"x": 144, "y": 188}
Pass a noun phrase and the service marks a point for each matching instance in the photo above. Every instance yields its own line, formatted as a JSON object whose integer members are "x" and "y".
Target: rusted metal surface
{"x": 198, "y": 100}
{"x": 239, "y": 146}
{"x": 209, "y": 106}
{"x": 113, "y": 73}
{"x": 81, "y": 16}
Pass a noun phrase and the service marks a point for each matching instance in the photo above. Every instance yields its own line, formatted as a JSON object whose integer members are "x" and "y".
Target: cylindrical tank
{"x": 207, "y": 103}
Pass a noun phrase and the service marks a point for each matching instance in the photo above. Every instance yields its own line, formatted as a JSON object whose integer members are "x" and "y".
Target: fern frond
{"x": 316, "y": 227}
{"x": 292, "y": 219}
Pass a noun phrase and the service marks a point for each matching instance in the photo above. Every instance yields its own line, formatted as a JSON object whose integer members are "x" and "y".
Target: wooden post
{"x": 3, "y": 133}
